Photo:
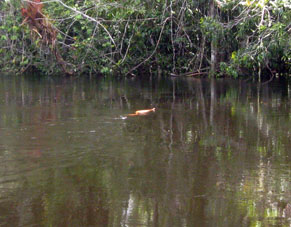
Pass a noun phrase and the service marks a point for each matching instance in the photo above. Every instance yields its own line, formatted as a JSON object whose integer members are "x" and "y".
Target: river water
{"x": 214, "y": 153}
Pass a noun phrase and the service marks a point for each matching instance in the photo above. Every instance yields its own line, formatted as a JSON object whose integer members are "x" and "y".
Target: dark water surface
{"x": 215, "y": 153}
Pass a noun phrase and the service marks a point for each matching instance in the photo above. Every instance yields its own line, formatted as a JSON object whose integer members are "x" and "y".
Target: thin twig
{"x": 154, "y": 51}
{"x": 89, "y": 18}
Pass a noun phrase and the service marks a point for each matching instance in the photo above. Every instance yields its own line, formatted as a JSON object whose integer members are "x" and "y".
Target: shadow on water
{"x": 215, "y": 153}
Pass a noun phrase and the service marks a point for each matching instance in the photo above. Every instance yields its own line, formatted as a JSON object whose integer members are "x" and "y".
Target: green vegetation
{"x": 131, "y": 36}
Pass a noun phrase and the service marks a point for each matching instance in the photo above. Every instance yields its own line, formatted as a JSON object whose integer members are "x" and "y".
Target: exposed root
{"x": 272, "y": 77}
{"x": 40, "y": 25}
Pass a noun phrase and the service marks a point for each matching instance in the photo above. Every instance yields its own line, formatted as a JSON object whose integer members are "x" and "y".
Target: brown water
{"x": 215, "y": 153}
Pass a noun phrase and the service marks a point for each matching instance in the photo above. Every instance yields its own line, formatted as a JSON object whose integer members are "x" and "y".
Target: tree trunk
{"x": 213, "y": 59}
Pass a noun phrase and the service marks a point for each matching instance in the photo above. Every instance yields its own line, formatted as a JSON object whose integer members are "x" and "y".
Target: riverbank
{"x": 216, "y": 38}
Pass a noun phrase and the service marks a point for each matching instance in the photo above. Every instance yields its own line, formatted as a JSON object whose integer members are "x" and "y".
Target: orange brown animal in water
{"x": 142, "y": 112}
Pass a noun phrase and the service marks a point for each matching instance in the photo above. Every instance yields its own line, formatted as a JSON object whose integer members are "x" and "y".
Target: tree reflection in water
{"x": 215, "y": 153}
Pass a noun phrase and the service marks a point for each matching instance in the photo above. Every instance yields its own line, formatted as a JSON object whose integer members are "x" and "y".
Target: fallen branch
{"x": 189, "y": 74}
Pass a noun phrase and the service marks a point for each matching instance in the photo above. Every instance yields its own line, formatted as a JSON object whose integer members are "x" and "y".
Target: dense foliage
{"x": 177, "y": 36}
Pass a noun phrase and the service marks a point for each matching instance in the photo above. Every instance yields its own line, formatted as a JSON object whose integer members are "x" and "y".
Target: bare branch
{"x": 87, "y": 17}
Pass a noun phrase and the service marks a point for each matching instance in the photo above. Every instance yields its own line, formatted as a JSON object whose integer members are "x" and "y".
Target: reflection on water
{"x": 215, "y": 153}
